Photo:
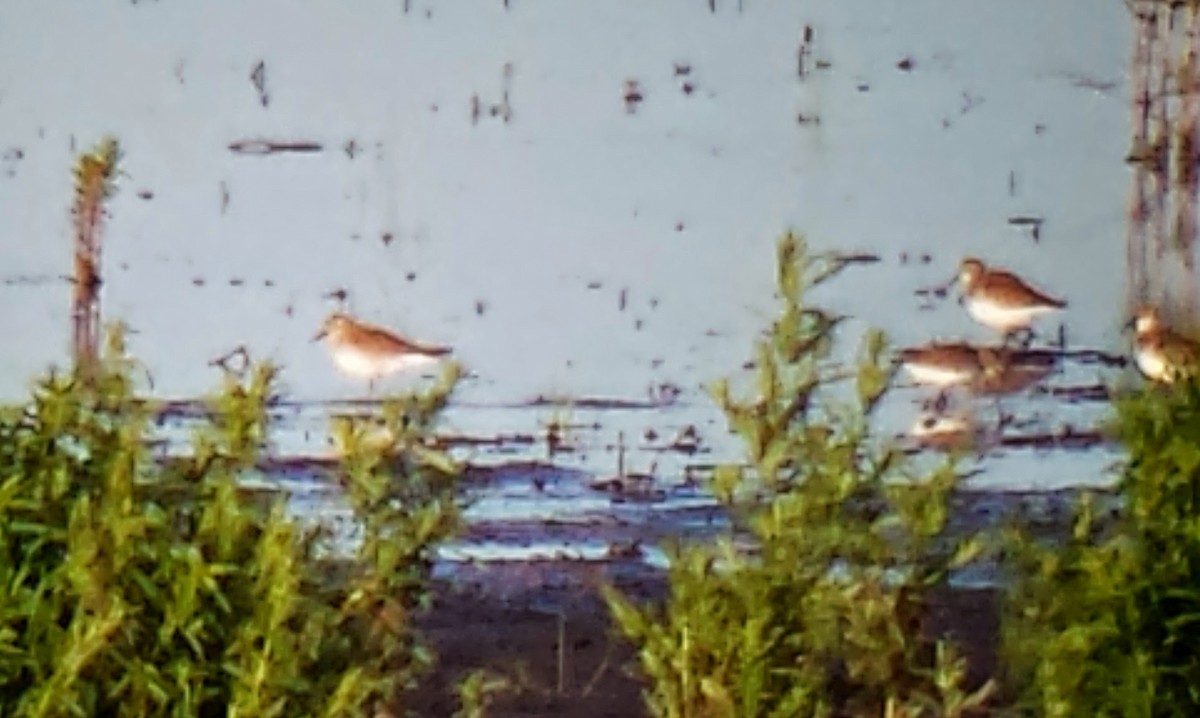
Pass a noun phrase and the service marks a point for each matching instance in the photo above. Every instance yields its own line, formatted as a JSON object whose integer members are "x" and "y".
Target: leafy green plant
{"x": 1104, "y": 624}
{"x": 134, "y": 587}
{"x": 825, "y": 615}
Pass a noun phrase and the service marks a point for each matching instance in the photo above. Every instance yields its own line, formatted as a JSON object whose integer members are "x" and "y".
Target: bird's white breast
{"x": 356, "y": 362}
{"x": 1003, "y": 317}
{"x": 939, "y": 375}
{"x": 1152, "y": 364}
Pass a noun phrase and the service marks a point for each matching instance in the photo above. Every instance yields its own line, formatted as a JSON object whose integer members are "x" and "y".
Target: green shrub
{"x": 134, "y": 587}
{"x": 825, "y": 616}
{"x": 1104, "y": 625}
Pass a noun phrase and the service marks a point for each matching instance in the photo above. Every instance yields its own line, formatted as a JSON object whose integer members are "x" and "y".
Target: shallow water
{"x": 575, "y": 249}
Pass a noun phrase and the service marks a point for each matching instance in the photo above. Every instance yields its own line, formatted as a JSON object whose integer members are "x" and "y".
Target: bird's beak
{"x": 951, "y": 284}
{"x": 1129, "y": 324}
{"x": 320, "y": 335}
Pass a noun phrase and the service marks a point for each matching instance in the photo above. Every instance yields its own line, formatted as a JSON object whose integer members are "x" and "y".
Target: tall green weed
{"x": 1104, "y": 624}
{"x": 132, "y": 587}
{"x": 825, "y": 616}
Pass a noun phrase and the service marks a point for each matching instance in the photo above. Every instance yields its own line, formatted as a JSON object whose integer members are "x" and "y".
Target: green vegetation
{"x": 133, "y": 587}
{"x": 825, "y": 616}
{"x": 1104, "y": 625}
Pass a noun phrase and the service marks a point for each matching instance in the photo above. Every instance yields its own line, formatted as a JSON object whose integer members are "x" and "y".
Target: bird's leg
{"x": 1001, "y": 420}
{"x": 941, "y": 401}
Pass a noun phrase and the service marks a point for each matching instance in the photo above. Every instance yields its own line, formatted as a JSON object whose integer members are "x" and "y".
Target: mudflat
{"x": 511, "y": 618}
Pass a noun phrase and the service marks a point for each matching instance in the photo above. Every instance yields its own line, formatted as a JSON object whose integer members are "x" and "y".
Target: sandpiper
{"x": 371, "y": 352}
{"x": 943, "y": 364}
{"x": 1161, "y": 354}
{"x": 1000, "y": 299}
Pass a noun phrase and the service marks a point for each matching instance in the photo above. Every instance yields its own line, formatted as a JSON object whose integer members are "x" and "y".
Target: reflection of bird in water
{"x": 1161, "y": 354}
{"x": 1000, "y": 299}
{"x": 1008, "y": 371}
{"x": 951, "y": 432}
{"x": 366, "y": 351}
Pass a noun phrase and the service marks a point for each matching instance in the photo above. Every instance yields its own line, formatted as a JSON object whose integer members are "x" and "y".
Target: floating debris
{"x": 803, "y": 53}
{"x": 235, "y": 361}
{"x": 1025, "y": 221}
{"x": 588, "y": 402}
{"x": 970, "y": 102}
{"x": 258, "y": 76}
{"x": 35, "y": 280}
{"x": 1074, "y": 394}
{"x": 1034, "y": 223}
{"x": 632, "y": 95}
{"x": 856, "y": 258}
{"x": 626, "y": 486}
{"x": 270, "y": 147}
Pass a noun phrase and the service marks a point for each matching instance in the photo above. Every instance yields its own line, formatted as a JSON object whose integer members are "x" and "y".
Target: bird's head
{"x": 969, "y": 272}
{"x": 334, "y": 326}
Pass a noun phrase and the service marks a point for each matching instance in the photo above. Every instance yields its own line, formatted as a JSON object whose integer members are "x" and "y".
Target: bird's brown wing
{"x": 382, "y": 339}
{"x": 956, "y": 354}
{"x": 1011, "y": 286}
{"x": 1182, "y": 354}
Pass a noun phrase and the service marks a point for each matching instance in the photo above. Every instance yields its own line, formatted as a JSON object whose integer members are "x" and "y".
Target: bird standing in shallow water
{"x": 370, "y": 352}
{"x": 1000, "y": 299}
{"x": 1161, "y": 354}
{"x": 943, "y": 364}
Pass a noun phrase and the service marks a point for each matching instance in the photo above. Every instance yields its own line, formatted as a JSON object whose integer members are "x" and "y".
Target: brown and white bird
{"x": 1161, "y": 354}
{"x": 942, "y": 364}
{"x": 986, "y": 370}
{"x": 371, "y": 352}
{"x": 1000, "y": 299}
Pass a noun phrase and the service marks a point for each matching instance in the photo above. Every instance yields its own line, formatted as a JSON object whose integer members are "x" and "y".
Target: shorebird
{"x": 370, "y": 352}
{"x": 942, "y": 365}
{"x": 1161, "y": 354}
{"x": 1000, "y": 299}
